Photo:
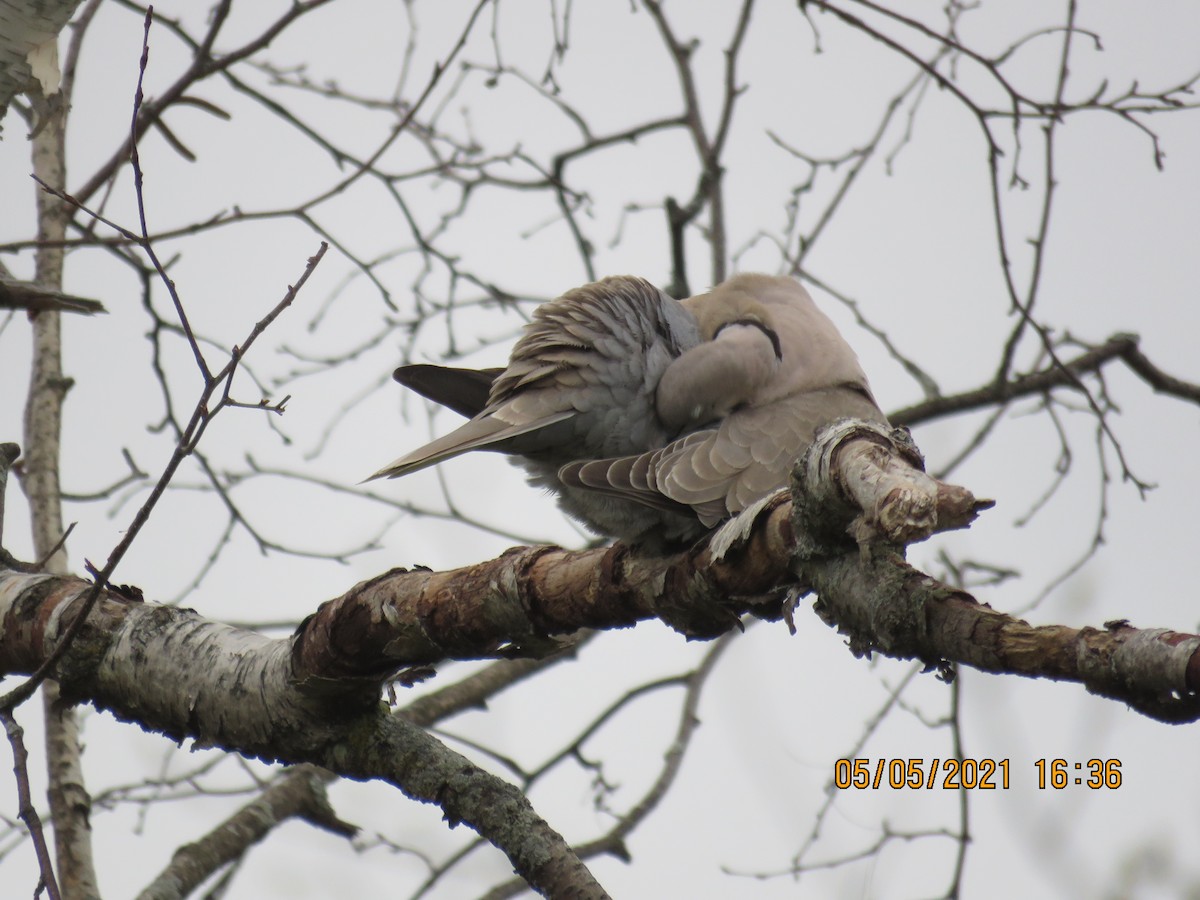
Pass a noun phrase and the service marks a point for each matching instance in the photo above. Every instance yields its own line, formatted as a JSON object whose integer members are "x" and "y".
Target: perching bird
{"x": 782, "y": 370}
{"x": 580, "y": 384}
{"x": 648, "y": 415}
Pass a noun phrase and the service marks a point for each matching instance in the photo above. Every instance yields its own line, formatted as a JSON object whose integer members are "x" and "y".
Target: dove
{"x": 782, "y": 371}
{"x": 654, "y": 419}
{"x": 580, "y": 384}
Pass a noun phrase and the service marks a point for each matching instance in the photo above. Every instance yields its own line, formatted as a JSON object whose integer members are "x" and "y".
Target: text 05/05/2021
{"x": 921, "y": 774}
{"x": 971, "y": 774}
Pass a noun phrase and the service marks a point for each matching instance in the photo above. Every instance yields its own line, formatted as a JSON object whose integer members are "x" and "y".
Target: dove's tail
{"x": 484, "y": 433}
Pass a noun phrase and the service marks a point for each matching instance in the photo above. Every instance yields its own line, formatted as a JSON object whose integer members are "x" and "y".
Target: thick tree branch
{"x": 173, "y": 672}
{"x": 885, "y": 605}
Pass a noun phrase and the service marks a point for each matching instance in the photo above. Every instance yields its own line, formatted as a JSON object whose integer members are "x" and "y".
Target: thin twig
{"x": 26, "y": 811}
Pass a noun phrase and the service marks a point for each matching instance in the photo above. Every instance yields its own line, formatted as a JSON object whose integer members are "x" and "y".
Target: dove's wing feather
{"x": 720, "y": 471}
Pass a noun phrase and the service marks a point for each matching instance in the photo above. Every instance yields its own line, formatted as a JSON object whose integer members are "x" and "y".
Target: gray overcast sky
{"x": 914, "y": 246}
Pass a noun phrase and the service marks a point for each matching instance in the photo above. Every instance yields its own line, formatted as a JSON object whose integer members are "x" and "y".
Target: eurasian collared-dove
{"x": 643, "y": 413}
{"x": 781, "y": 382}
{"x": 580, "y": 384}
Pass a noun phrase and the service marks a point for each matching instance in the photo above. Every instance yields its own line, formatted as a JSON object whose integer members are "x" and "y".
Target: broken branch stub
{"x": 868, "y": 481}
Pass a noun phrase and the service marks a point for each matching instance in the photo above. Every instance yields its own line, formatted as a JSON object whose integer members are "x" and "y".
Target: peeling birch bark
{"x": 28, "y": 46}
{"x": 177, "y": 673}
{"x": 884, "y": 605}
{"x": 171, "y": 671}
{"x": 300, "y": 792}
{"x": 881, "y": 473}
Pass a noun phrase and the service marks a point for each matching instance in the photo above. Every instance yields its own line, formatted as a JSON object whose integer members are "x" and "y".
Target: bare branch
{"x": 25, "y": 808}
{"x": 16, "y": 294}
{"x": 1119, "y": 346}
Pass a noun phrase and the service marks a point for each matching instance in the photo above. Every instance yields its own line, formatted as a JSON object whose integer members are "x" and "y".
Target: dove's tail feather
{"x": 465, "y": 391}
{"x": 484, "y": 433}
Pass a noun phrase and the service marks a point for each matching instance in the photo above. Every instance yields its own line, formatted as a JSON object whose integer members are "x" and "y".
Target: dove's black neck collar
{"x": 756, "y": 323}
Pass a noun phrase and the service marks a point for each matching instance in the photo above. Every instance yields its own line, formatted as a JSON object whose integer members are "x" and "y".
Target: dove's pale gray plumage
{"x": 651, "y": 417}
{"x": 580, "y": 384}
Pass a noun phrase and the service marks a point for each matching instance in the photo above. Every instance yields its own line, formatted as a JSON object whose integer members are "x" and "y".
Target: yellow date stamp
{"x": 922, "y": 774}
{"x": 971, "y": 774}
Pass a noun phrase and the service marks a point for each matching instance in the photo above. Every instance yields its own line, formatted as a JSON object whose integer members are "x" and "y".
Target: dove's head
{"x": 749, "y": 297}
{"x": 736, "y": 300}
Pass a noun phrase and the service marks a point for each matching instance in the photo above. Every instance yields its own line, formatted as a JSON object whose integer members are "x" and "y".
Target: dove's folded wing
{"x": 789, "y": 374}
